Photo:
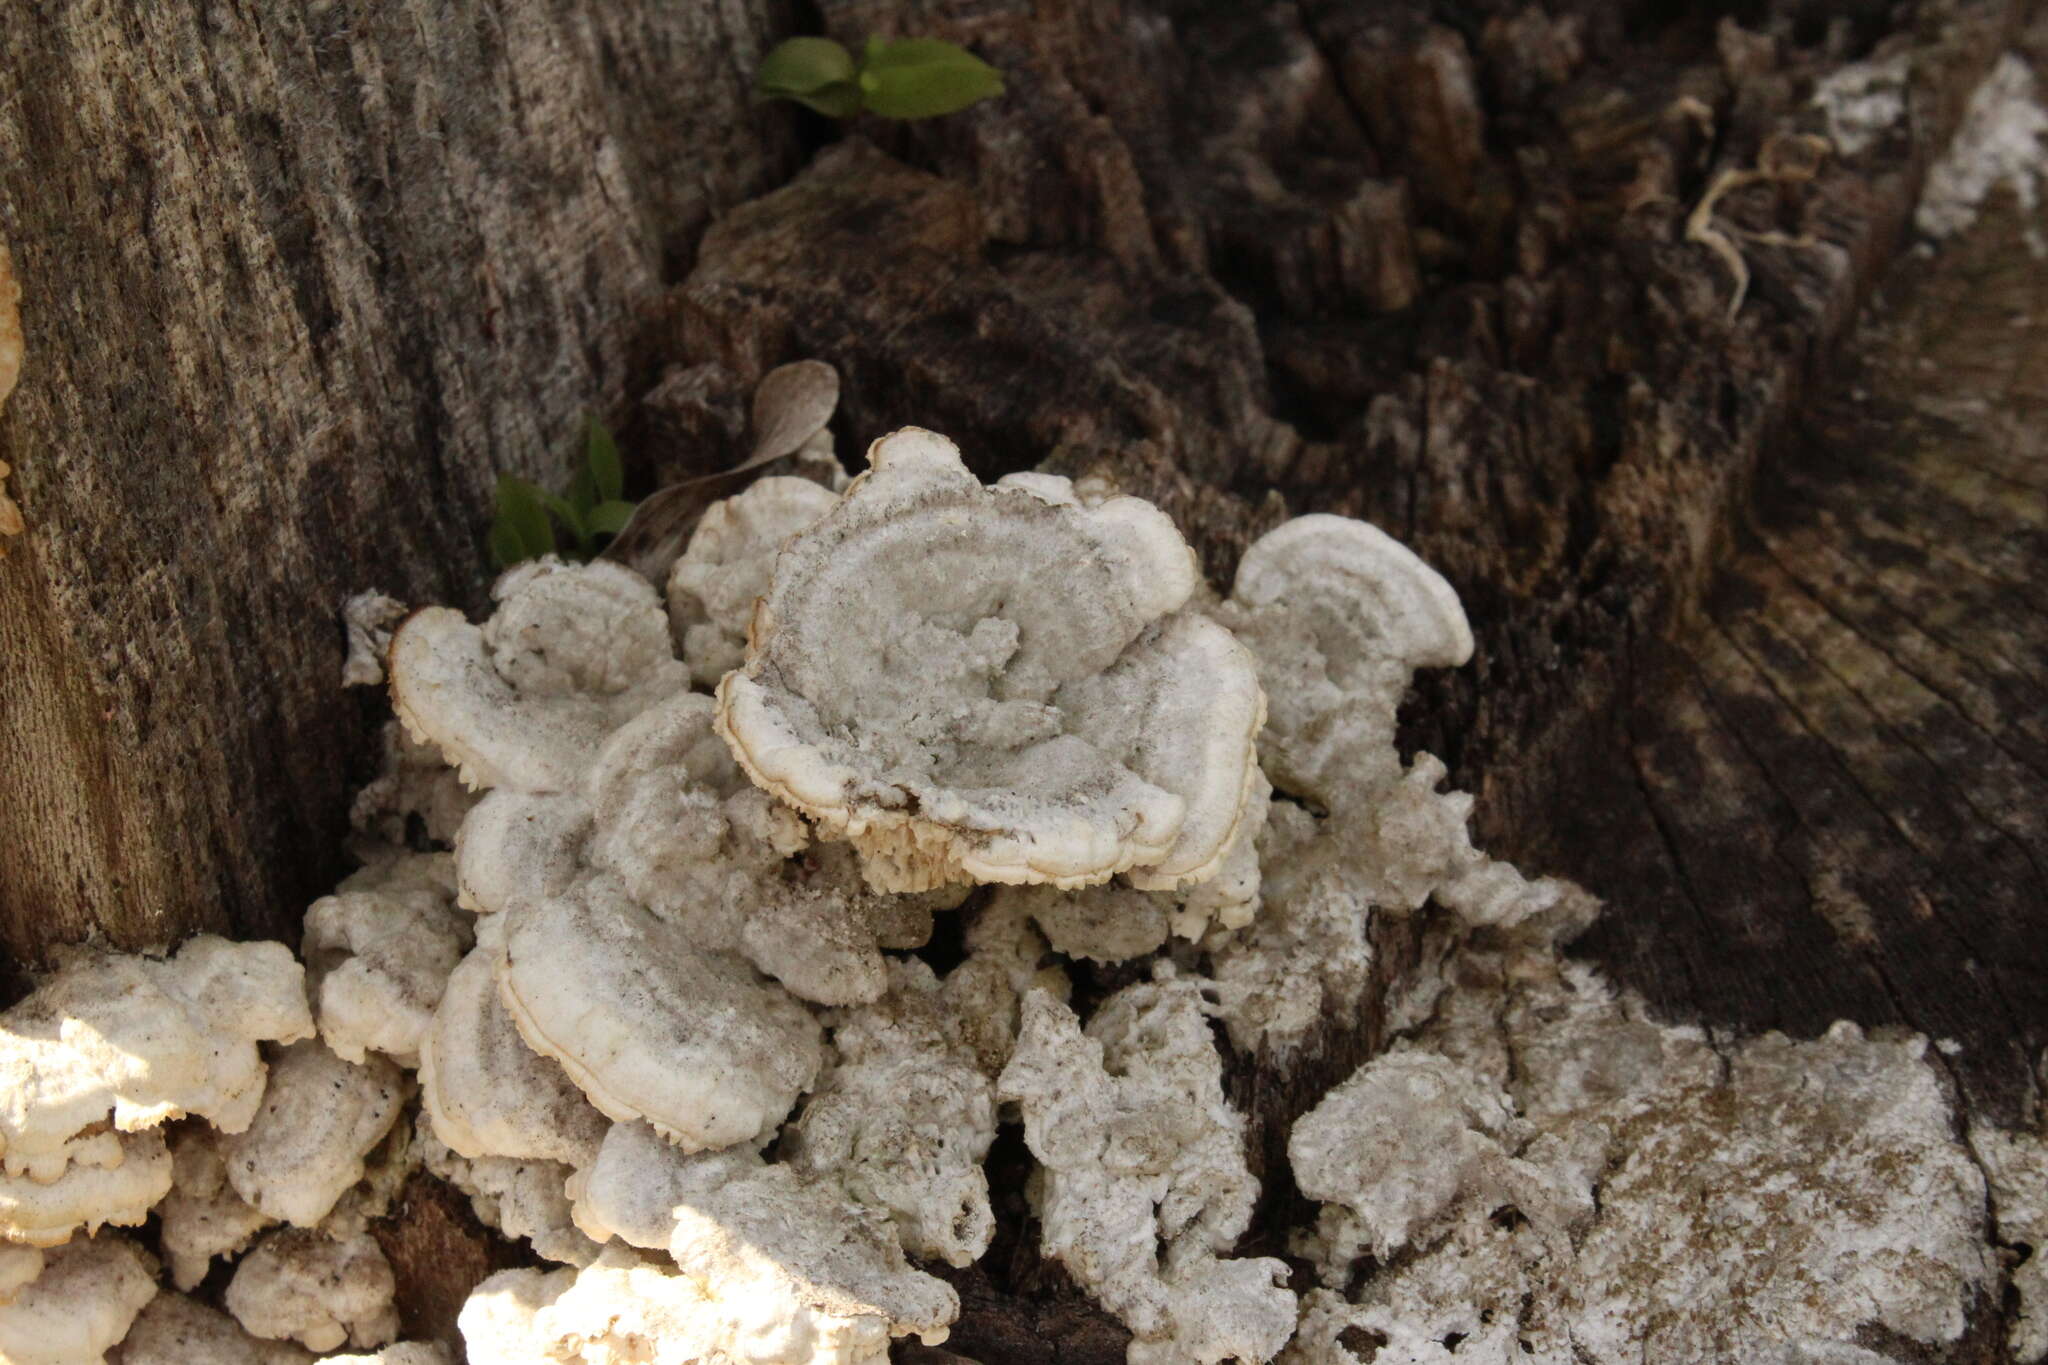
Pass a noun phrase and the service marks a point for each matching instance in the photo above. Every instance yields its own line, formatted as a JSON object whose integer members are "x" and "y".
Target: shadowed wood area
{"x": 1829, "y": 798}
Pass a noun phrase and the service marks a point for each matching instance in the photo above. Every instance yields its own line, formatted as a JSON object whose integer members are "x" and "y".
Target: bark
{"x": 299, "y": 282}
{"x": 1754, "y": 651}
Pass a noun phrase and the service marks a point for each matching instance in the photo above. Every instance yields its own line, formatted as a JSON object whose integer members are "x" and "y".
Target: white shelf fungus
{"x": 1551, "y": 1178}
{"x": 322, "y": 1292}
{"x": 903, "y": 1121}
{"x": 522, "y": 1199}
{"x": 83, "y": 1302}
{"x": 2016, "y": 1165}
{"x": 523, "y": 701}
{"x": 995, "y": 684}
{"x": 485, "y": 1091}
{"x": 18, "y": 1266}
{"x": 780, "y": 1256}
{"x": 320, "y": 1119}
{"x": 113, "y": 1178}
{"x": 730, "y": 560}
{"x": 1144, "y": 1185}
{"x": 175, "y": 1330}
{"x": 1410, "y": 1135}
{"x": 203, "y": 1217}
{"x": 398, "y": 1353}
{"x": 138, "y": 1041}
{"x": 378, "y": 952}
{"x": 1339, "y": 615}
{"x": 929, "y": 683}
{"x": 650, "y": 1027}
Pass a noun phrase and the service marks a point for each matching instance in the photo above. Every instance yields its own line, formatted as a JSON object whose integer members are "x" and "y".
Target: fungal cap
{"x": 992, "y": 685}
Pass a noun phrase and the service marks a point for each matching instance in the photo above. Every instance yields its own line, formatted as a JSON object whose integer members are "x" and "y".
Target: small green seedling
{"x": 901, "y": 78}
{"x": 594, "y": 510}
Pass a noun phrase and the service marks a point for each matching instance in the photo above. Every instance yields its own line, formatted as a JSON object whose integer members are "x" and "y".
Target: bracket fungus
{"x": 176, "y": 1330}
{"x": 137, "y": 1041}
{"x": 113, "y": 1178}
{"x": 995, "y": 684}
{"x": 203, "y": 1217}
{"x": 648, "y": 1026}
{"x": 86, "y": 1295}
{"x": 777, "y": 1254}
{"x": 685, "y": 1045}
{"x": 728, "y": 565}
{"x": 903, "y": 1120}
{"x": 304, "y": 1286}
{"x": 485, "y": 1091}
{"x": 523, "y": 1199}
{"x": 320, "y": 1118}
{"x": 524, "y": 700}
{"x": 379, "y": 950}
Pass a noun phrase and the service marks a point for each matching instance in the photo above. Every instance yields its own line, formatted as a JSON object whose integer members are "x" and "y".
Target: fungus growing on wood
{"x": 1144, "y": 1183}
{"x": 113, "y": 1178}
{"x": 650, "y": 1026}
{"x": 304, "y": 1286}
{"x": 321, "y": 1117}
{"x": 524, "y": 701}
{"x": 485, "y": 1091}
{"x": 995, "y": 684}
{"x": 729, "y": 564}
{"x": 134, "y": 1041}
{"x": 903, "y": 1120}
{"x": 175, "y": 1330}
{"x": 202, "y": 1217}
{"x": 378, "y": 952}
{"x": 776, "y": 1254}
{"x": 79, "y": 1305}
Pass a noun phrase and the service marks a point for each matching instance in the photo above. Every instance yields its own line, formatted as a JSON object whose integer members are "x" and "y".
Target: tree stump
{"x": 1755, "y": 620}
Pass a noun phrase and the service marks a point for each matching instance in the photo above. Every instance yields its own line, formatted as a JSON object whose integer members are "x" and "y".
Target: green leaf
{"x": 520, "y": 510}
{"x": 602, "y": 456}
{"x": 505, "y": 545}
{"x": 834, "y": 101}
{"x": 799, "y": 66}
{"x": 912, "y": 78}
{"x": 609, "y": 518}
{"x": 583, "y": 492}
{"x": 567, "y": 515}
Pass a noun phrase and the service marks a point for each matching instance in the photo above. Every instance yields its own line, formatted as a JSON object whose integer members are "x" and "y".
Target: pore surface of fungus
{"x": 995, "y": 684}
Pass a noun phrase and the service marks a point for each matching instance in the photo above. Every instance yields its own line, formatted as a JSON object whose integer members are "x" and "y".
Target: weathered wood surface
{"x": 299, "y": 280}
{"x": 1828, "y": 796}
{"x": 299, "y": 285}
